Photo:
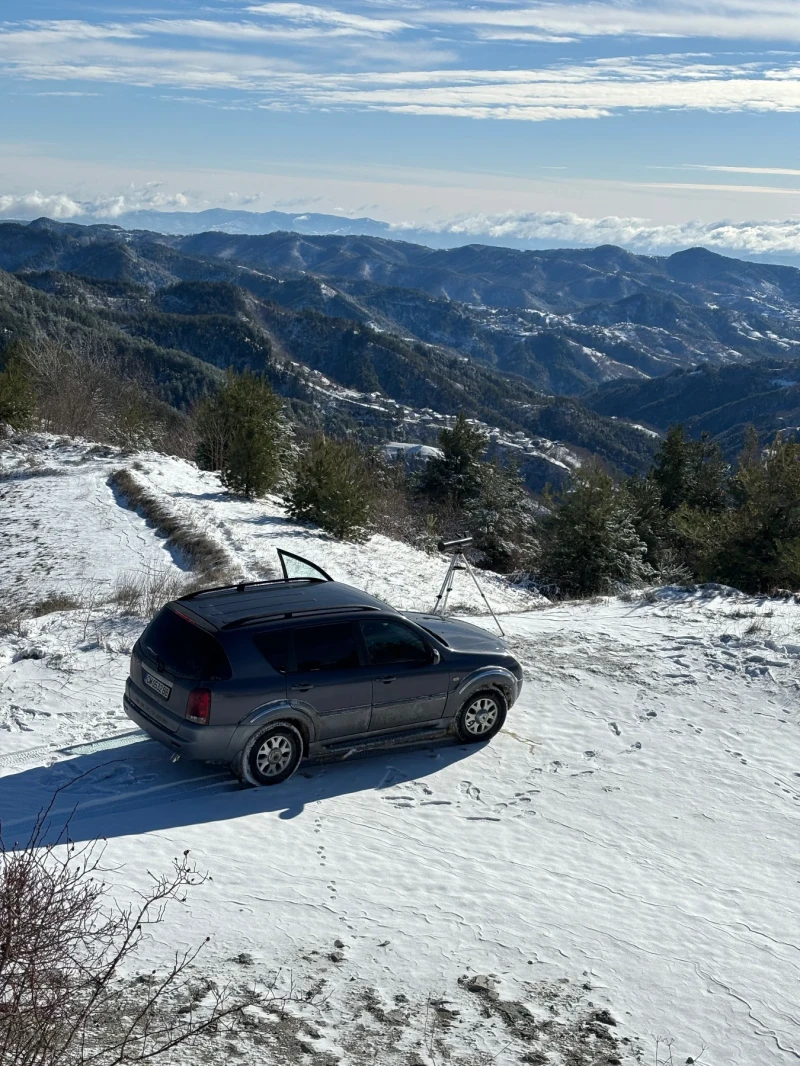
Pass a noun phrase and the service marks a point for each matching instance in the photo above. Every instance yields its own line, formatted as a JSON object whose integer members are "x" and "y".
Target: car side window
{"x": 274, "y": 646}
{"x": 331, "y": 647}
{"x": 392, "y": 642}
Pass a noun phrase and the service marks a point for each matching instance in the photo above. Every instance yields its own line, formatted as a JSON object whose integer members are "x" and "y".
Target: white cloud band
{"x": 774, "y": 237}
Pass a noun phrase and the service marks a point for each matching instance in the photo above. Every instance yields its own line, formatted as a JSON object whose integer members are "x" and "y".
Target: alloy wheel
{"x": 480, "y": 716}
{"x": 274, "y": 756}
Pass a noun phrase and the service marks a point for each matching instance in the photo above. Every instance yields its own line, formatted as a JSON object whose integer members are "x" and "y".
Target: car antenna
{"x": 458, "y": 561}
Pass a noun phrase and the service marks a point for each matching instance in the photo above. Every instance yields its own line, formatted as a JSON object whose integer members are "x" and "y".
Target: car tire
{"x": 272, "y": 755}
{"x": 481, "y": 716}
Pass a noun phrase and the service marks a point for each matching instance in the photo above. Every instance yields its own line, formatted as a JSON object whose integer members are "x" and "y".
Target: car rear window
{"x": 185, "y": 649}
{"x": 331, "y": 647}
{"x": 275, "y": 649}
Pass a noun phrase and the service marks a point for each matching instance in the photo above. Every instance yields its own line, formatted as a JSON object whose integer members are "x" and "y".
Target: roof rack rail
{"x": 307, "y": 612}
{"x": 242, "y": 585}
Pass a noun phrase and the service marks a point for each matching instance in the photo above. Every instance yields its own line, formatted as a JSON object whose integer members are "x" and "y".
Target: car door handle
{"x": 301, "y": 688}
{"x": 387, "y": 680}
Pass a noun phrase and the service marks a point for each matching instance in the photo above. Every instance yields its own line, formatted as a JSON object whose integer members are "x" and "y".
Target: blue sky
{"x": 637, "y": 120}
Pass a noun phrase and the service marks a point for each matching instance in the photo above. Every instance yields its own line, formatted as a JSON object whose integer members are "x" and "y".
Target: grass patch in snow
{"x": 145, "y": 592}
{"x": 54, "y": 601}
{"x": 202, "y": 554}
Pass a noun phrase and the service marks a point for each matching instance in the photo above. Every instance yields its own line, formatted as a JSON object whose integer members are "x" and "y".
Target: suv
{"x": 264, "y": 674}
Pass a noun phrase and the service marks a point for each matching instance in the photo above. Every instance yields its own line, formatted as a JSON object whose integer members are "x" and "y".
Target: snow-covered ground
{"x": 629, "y": 842}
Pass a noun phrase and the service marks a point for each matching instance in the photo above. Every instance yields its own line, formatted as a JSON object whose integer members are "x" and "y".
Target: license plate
{"x": 156, "y": 685}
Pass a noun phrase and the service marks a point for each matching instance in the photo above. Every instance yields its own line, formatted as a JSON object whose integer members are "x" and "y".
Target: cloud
{"x": 772, "y": 237}
{"x": 64, "y": 207}
{"x": 774, "y": 20}
{"x": 325, "y": 16}
{"x": 590, "y": 90}
{"x": 226, "y": 56}
{"x": 639, "y": 234}
{"x": 783, "y": 171}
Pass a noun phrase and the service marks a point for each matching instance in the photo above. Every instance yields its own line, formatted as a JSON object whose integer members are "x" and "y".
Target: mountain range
{"x": 563, "y": 351}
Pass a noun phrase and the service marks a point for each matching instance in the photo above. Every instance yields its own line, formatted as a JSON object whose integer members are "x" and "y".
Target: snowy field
{"x": 628, "y": 843}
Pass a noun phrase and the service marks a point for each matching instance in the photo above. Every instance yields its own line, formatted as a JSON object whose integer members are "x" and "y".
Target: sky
{"x": 642, "y": 122}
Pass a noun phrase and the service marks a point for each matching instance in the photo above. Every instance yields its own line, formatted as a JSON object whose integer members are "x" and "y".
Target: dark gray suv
{"x": 265, "y": 674}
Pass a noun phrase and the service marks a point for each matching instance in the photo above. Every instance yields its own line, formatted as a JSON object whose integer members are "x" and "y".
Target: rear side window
{"x": 331, "y": 647}
{"x": 392, "y": 642}
{"x": 185, "y": 649}
{"x": 274, "y": 647}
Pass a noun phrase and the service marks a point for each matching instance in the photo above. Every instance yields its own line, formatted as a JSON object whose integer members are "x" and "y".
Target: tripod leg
{"x": 483, "y": 595}
{"x": 451, "y": 576}
{"x": 444, "y": 591}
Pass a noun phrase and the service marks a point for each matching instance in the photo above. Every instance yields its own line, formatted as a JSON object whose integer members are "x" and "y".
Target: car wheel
{"x": 272, "y": 755}
{"x": 481, "y": 717}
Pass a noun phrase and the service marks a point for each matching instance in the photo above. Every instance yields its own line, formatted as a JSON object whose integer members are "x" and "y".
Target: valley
{"x": 558, "y": 355}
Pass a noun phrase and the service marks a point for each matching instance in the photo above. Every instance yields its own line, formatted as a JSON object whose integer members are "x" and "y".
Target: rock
{"x": 483, "y": 985}
{"x": 604, "y": 1017}
{"x": 396, "y": 1017}
{"x": 338, "y": 943}
{"x": 336, "y": 956}
{"x": 244, "y": 958}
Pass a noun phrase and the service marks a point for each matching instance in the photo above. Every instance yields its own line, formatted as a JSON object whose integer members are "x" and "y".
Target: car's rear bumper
{"x": 205, "y": 742}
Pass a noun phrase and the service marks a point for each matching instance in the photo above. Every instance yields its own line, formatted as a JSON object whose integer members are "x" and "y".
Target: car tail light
{"x": 198, "y": 706}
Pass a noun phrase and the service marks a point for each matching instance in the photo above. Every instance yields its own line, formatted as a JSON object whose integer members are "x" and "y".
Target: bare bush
{"x": 144, "y": 592}
{"x": 12, "y": 619}
{"x": 65, "y": 946}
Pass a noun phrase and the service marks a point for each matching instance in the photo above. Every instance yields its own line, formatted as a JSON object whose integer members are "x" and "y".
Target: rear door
{"x": 171, "y": 658}
{"x": 409, "y": 687}
{"x": 327, "y": 671}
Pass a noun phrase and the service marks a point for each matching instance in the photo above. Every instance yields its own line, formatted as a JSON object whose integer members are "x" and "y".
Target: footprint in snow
{"x": 470, "y": 790}
{"x": 615, "y": 729}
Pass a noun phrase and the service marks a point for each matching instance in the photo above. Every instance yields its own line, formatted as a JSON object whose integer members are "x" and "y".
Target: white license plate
{"x": 156, "y": 685}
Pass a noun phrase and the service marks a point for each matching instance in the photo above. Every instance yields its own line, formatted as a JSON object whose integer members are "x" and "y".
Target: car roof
{"x": 239, "y": 605}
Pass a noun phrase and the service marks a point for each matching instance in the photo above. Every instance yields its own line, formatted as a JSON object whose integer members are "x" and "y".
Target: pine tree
{"x": 241, "y": 433}
{"x": 334, "y": 488}
{"x": 589, "y": 544}
{"x": 763, "y": 550}
{"x": 691, "y": 473}
{"x": 456, "y": 474}
{"x": 501, "y": 518}
{"x": 650, "y": 518}
{"x": 670, "y": 468}
{"x": 17, "y": 398}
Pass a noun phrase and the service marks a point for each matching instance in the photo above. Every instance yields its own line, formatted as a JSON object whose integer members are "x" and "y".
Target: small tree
{"x": 240, "y": 433}
{"x": 17, "y": 399}
{"x": 501, "y": 518}
{"x": 334, "y": 488}
{"x": 589, "y": 544}
{"x": 456, "y": 474}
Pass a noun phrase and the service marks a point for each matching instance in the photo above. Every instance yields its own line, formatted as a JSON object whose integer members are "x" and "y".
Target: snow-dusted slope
{"x": 627, "y": 843}
{"x": 61, "y": 529}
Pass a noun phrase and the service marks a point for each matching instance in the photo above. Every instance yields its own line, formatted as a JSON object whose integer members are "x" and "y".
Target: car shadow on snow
{"x": 135, "y": 789}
